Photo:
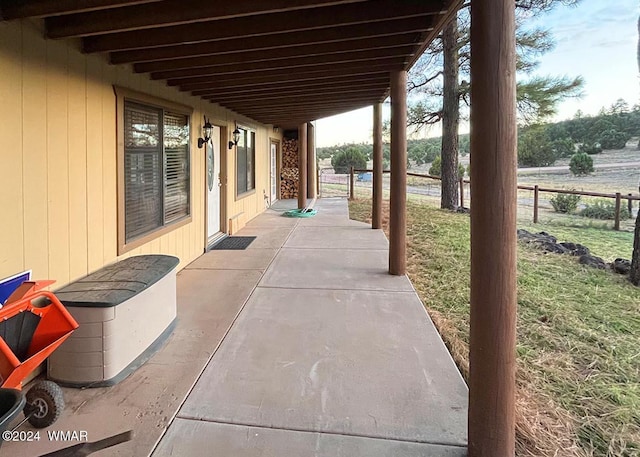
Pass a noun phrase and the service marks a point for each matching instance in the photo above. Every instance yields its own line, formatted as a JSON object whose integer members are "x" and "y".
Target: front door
{"x": 274, "y": 171}
{"x": 213, "y": 185}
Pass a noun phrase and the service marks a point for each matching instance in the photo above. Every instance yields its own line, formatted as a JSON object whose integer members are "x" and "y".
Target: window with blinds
{"x": 156, "y": 168}
{"x": 245, "y": 154}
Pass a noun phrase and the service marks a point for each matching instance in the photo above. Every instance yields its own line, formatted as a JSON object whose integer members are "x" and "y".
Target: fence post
{"x": 351, "y": 184}
{"x": 535, "y": 203}
{"x": 618, "y": 202}
{"x": 630, "y": 206}
{"x": 461, "y": 181}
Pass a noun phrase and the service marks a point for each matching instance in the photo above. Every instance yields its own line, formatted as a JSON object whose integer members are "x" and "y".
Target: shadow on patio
{"x": 302, "y": 344}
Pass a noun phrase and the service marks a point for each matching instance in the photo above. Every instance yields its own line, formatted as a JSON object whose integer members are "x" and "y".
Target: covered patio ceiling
{"x": 280, "y": 62}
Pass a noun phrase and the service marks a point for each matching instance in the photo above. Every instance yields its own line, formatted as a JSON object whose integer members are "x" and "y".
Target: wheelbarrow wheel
{"x": 44, "y": 404}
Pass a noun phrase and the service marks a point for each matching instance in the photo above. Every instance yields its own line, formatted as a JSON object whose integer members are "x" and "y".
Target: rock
{"x": 548, "y": 246}
{"x": 576, "y": 249}
{"x": 522, "y": 233}
{"x": 621, "y": 266}
{"x": 529, "y": 237}
{"x": 463, "y": 210}
{"x": 592, "y": 261}
{"x": 546, "y": 237}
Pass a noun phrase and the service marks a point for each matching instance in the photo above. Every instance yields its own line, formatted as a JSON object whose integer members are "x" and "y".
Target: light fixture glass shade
{"x": 236, "y": 135}
{"x": 207, "y": 130}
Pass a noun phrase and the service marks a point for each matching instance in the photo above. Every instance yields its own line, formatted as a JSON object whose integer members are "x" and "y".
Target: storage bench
{"x": 126, "y": 310}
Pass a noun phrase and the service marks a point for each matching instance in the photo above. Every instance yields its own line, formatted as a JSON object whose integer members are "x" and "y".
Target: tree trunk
{"x": 634, "y": 274}
{"x": 450, "y": 117}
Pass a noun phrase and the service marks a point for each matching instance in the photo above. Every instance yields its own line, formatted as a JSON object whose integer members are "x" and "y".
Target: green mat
{"x": 300, "y": 213}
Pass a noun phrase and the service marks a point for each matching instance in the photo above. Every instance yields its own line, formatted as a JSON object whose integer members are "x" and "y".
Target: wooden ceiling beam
{"x": 170, "y": 13}
{"x": 450, "y": 9}
{"x": 284, "y": 94}
{"x": 271, "y": 55}
{"x": 283, "y": 121}
{"x": 314, "y": 112}
{"x": 307, "y": 100}
{"x": 293, "y": 109}
{"x": 301, "y": 63}
{"x": 273, "y": 76}
{"x": 327, "y": 76}
{"x": 296, "y": 109}
{"x": 266, "y": 24}
{"x": 276, "y": 41}
{"x": 303, "y": 98}
{"x": 18, "y": 9}
{"x": 382, "y": 78}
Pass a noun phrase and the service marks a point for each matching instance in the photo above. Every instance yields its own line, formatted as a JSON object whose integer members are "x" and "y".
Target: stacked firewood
{"x": 290, "y": 173}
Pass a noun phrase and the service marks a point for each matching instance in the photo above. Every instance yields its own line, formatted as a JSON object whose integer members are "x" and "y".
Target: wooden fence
{"x": 618, "y": 197}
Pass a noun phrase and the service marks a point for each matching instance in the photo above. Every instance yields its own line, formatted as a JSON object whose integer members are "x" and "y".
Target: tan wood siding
{"x": 59, "y": 161}
{"x": 11, "y": 197}
{"x": 35, "y": 175}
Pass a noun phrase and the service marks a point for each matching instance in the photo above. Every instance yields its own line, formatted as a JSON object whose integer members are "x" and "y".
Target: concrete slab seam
{"x": 213, "y": 353}
{"x": 364, "y": 289}
{"x": 301, "y": 430}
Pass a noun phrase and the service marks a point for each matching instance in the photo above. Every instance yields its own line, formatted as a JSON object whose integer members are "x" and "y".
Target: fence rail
{"x": 618, "y": 197}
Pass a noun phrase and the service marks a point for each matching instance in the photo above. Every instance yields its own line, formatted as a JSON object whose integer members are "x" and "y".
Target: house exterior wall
{"x": 58, "y": 159}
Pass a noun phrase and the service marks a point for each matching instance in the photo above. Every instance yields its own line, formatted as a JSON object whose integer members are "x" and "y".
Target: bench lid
{"x": 118, "y": 282}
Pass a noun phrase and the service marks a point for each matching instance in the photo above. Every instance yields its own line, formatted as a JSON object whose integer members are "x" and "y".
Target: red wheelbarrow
{"x": 33, "y": 323}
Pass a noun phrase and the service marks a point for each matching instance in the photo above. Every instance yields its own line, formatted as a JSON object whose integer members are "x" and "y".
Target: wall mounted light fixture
{"x": 236, "y": 138}
{"x": 207, "y": 130}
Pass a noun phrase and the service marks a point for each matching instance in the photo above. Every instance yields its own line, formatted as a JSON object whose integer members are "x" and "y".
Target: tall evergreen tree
{"x": 442, "y": 91}
{"x": 450, "y": 117}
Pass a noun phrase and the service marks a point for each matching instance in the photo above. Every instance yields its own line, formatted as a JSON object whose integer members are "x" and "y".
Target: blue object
{"x": 366, "y": 177}
{"x": 10, "y": 284}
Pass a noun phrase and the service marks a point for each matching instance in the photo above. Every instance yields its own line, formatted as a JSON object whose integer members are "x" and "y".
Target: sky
{"x": 596, "y": 39}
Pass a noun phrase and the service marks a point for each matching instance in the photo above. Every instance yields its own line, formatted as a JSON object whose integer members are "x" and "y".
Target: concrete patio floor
{"x": 300, "y": 345}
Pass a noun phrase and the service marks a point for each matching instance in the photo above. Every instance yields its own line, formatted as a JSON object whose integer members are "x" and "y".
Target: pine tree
{"x": 442, "y": 92}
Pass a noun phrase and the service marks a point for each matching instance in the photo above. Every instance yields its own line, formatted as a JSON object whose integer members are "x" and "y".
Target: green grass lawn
{"x": 578, "y": 351}
{"x": 603, "y": 242}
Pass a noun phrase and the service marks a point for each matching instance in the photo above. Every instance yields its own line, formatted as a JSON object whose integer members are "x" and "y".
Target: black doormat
{"x": 233, "y": 243}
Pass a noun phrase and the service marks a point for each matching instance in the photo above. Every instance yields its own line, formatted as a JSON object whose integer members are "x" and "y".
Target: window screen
{"x": 156, "y": 168}
{"x": 246, "y": 152}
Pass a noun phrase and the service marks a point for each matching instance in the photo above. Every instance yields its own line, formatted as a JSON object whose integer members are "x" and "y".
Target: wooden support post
{"x": 398, "y": 198}
{"x": 461, "y": 184}
{"x": 376, "y": 214}
{"x": 351, "y": 184}
{"x": 536, "y": 192}
{"x": 311, "y": 160}
{"x": 616, "y": 225}
{"x": 302, "y": 166}
{"x": 630, "y": 206}
{"x": 493, "y": 230}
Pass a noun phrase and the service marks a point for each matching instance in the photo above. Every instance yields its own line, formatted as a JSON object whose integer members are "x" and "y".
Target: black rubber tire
{"x": 46, "y": 397}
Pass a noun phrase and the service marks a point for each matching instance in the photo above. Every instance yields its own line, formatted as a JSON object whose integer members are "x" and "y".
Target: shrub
{"x": 565, "y": 203}
{"x": 343, "y": 160}
{"x": 535, "y": 148}
{"x": 581, "y": 164}
{"x": 436, "y": 168}
{"x": 563, "y": 147}
{"x": 604, "y": 209}
{"x": 590, "y": 148}
{"x": 612, "y": 139}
